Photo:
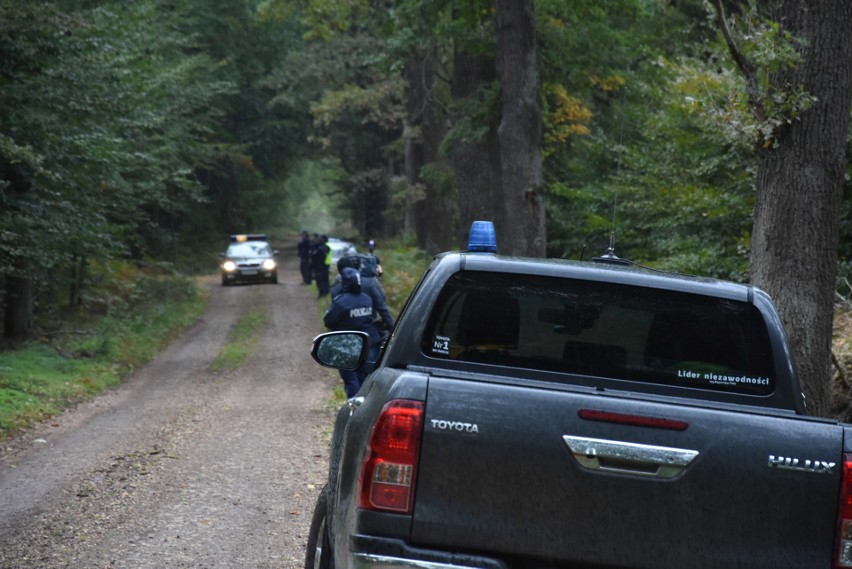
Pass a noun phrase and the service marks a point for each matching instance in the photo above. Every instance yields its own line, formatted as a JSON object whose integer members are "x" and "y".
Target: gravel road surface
{"x": 181, "y": 466}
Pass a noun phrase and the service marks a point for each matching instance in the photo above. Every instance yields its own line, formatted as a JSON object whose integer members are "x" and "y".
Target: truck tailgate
{"x": 497, "y": 475}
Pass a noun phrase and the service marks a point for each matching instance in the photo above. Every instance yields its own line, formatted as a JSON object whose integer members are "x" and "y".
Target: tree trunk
{"x": 476, "y": 163}
{"x": 799, "y": 192}
{"x": 429, "y": 215}
{"x": 520, "y": 130}
{"x": 18, "y": 307}
{"x": 413, "y": 162}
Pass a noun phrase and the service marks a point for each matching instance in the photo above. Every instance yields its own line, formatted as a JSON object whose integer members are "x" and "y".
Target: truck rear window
{"x": 601, "y": 329}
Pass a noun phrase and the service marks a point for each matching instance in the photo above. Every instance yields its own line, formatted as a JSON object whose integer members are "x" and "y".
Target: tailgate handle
{"x": 629, "y": 458}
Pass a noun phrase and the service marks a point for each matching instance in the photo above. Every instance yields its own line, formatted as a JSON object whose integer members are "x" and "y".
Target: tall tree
{"x": 800, "y": 176}
{"x": 431, "y": 216}
{"x": 475, "y": 148}
{"x": 414, "y": 45}
{"x": 520, "y": 129}
{"x": 104, "y": 111}
{"x": 473, "y": 144}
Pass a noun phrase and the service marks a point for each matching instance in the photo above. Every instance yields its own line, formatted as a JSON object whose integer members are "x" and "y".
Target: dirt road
{"x": 181, "y": 466}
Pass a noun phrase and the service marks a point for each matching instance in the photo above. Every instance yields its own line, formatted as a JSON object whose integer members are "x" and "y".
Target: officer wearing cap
{"x": 369, "y": 286}
{"x": 352, "y": 310}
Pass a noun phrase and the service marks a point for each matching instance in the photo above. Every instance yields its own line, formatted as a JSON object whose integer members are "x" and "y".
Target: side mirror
{"x": 341, "y": 350}
{"x": 275, "y": 252}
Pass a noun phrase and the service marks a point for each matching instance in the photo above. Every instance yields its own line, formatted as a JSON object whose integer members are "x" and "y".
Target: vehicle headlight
{"x": 229, "y": 266}
{"x": 269, "y": 264}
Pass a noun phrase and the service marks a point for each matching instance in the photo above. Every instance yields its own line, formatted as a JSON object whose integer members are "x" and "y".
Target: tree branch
{"x": 748, "y": 70}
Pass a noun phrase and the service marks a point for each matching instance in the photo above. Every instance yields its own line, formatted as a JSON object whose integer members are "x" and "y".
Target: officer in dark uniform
{"x": 320, "y": 255}
{"x": 369, "y": 286}
{"x": 353, "y": 310}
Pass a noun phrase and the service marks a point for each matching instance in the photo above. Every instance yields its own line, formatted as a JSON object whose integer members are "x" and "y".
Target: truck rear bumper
{"x": 385, "y": 553}
{"x": 371, "y": 561}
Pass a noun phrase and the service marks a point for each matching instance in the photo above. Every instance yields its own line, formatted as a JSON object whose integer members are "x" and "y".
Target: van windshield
{"x": 602, "y": 329}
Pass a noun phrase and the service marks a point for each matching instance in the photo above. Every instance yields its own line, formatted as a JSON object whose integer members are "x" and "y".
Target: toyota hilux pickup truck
{"x": 552, "y": 414}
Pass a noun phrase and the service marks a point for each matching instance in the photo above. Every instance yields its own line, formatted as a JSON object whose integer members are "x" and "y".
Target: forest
{"x": 145, "y": 132}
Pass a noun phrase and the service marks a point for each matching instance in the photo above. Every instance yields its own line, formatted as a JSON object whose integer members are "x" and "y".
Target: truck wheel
{"x": 318, "y": 554}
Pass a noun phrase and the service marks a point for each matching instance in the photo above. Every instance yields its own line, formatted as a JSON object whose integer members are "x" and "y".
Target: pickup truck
{"x": 552, "y": 414}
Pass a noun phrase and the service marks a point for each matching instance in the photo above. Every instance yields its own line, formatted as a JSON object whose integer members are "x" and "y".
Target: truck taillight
{"x": 390, "y": 464}
{"x": 844, "y": 517}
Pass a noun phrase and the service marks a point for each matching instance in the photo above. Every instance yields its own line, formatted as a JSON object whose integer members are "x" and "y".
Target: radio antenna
{"x": 609, "y": 256}
{"x": 617, "y": 179}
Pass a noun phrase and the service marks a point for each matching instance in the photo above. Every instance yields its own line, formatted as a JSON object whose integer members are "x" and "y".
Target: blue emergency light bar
{"x": 483, "y": 238}
{"x": 243, "y": 237}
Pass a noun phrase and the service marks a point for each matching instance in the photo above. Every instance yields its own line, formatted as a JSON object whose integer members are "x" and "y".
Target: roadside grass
{"x": 36, "y": 382}
{"x": 242, "y": 341}
{"x": 403, "y": 265}
{"x": 83, "y": 355}
{"x": 338, "y": 395}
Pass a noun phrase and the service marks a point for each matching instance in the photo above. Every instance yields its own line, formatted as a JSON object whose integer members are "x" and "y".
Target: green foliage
{"x": 417, "y": 25}
{"x": 324, "y": 18}
{"x": 148, "y": 129}
{"x": 760, "y": 104}
{"x": 379, "y": 104}
{"x": 648, "y": 166}
{"x": 104, "y": 116}
{"x": 474, "y": 116}
{"x": 141, "y": 313}
{"x": 36, "y": 382}
{"x": 403, "y": 265}
{"x": 355, "y": 122}
{"x": 257, "y": 48}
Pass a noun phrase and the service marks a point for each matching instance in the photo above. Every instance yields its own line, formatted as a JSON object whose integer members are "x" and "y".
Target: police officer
{"x": 321, "y": 256}
{"x": 374, "y": 261}
{"x": 369, "y": 286}
{"x": 352, "y": 310}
